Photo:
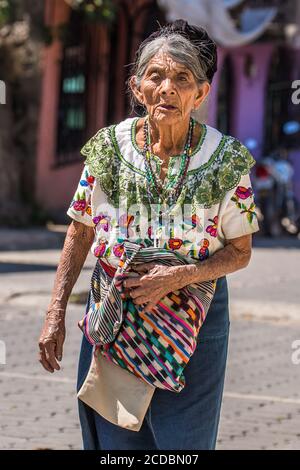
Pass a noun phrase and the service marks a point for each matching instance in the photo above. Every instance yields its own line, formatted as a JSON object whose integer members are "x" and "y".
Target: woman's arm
{"x": 235, "y": 255}
{"x": 154, "y": 281}
{"x": 78, "y": 241}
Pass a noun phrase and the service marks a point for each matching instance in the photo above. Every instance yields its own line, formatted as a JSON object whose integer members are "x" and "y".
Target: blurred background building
{"x": 81, "y": 84}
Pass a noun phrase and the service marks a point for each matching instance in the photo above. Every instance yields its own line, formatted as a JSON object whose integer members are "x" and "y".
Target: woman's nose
{"x": 167, "y": 87}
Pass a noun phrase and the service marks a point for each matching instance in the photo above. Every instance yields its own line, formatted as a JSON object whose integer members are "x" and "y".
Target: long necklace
{"x": 153, "y": 181}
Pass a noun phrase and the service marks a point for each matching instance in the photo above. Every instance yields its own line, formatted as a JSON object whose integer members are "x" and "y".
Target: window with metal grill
{"x": 72, "y": 108}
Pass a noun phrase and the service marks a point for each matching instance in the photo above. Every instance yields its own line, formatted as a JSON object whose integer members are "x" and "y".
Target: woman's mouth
{"x": 168, "y": 107}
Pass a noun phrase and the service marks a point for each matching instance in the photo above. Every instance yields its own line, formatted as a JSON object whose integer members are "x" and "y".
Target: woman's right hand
{"x": 52, "y": 339}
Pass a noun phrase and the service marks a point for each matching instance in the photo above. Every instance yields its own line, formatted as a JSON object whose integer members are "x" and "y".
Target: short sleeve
{"x": 80, "y": 207}
{"x": 238, "y": 215}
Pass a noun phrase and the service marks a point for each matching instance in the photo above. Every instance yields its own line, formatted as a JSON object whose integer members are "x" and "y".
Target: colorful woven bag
{"x": 155, "y": 346}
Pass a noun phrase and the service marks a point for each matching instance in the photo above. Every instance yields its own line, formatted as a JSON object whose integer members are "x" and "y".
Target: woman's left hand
{"x": 152, "y": 282}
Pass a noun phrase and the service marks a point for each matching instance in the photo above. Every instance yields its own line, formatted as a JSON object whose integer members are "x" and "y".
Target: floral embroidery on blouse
{"x": 82, "y": 197}
{"x": 174, "y": 243}
{"x": 204, "y": 251}
{"x": 213, "y": 229}
{"x": 102, "y": 248}
{"x": 245, "y": 193}
{"x": 118, "y": 249}
{"x": 192, "y": 222}
{"x": 103, "y": 221}
{"x": 125, "y": 222}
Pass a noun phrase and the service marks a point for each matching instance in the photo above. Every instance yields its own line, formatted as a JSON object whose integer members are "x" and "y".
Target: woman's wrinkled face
{"x": 169, "y": 90}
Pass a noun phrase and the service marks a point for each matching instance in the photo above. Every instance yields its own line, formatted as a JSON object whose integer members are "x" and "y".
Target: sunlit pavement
{"x": 261, "y": 405}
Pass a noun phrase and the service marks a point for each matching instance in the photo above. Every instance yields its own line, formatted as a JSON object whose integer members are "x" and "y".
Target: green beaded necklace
{"x": 154, "y": 182}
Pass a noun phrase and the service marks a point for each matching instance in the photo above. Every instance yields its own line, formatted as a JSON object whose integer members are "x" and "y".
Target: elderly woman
{"x": 165, "y": 157}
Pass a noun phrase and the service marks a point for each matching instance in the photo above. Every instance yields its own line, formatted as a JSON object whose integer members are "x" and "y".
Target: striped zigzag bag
{"x": 154, "y": 346}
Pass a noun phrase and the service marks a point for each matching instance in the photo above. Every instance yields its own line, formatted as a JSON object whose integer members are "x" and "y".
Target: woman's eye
{"x": 182, "y": 78}
{"x": 155, "y": 77}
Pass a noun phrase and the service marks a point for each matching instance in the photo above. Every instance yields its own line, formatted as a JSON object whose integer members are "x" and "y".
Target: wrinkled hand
{"x": 151, "y": 283}
{"x": 52, "y": 339}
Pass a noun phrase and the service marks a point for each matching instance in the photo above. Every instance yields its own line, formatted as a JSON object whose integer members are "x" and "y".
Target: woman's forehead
{"x": 163, "y": 60}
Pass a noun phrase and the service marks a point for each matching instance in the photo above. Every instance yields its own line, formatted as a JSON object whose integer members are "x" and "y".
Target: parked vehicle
{"x": 275, "y": 198}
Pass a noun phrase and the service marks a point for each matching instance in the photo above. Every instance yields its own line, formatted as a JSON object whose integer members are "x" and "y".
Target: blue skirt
{"x": 174, "y": 421}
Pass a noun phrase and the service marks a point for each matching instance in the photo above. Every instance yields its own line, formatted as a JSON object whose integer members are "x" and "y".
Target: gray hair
{"x": 181, "y": 49}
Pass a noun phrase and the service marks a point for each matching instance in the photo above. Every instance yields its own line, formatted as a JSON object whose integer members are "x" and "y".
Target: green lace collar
{"x": 205, "y": 185}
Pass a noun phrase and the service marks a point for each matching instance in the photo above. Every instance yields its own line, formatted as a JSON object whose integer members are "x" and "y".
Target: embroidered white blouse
{"x": 216, "y": 203}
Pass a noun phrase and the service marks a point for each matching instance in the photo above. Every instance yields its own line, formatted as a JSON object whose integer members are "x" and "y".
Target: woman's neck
{"x": 168, "y": 139}
{"x": 162, "y": 148}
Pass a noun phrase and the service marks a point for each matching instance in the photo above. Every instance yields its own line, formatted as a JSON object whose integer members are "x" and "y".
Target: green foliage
{"x": 101, "y": 11}
{"x": 5, "y": 12}
{"x": 95, "y": 10}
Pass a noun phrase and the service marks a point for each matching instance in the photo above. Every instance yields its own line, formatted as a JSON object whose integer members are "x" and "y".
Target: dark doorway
{"x": 226, "y": 86}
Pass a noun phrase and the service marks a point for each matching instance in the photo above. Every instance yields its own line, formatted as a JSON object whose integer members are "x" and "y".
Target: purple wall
{"x": 249, "y": 93}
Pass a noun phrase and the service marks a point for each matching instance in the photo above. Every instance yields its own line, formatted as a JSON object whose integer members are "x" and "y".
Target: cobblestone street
{"x": 261, "y": 406}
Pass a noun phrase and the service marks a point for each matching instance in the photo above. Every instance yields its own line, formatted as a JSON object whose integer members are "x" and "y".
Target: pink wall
{"x": 51, "y": 182}
{"x": 55, "y": 185}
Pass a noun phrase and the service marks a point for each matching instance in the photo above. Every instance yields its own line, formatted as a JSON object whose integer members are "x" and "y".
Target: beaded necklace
{"x": 152, "y": 179}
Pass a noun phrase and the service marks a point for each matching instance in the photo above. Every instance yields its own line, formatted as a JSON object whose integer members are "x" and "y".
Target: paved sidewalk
{"x": 261, "y": 406}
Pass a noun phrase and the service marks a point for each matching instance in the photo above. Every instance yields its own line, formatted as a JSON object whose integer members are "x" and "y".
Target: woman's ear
{"x": 203, "y": 91}
{"x": 138, "y": 95}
